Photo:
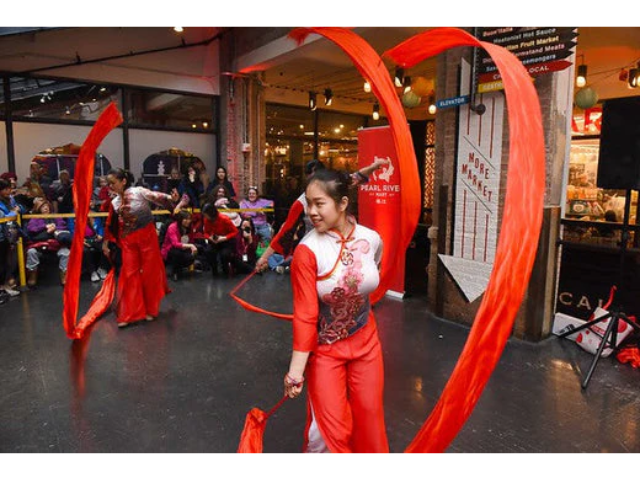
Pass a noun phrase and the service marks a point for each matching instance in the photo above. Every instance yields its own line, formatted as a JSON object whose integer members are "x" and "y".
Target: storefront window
{"x": 148, "y": 108}
{"x": 2, "y": 105}
{"x": 36, "y": 98}
{"x": 593, "y": 215}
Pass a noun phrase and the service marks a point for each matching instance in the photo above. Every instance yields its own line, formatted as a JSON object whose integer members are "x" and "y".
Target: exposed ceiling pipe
{"x": 79, "y": 61}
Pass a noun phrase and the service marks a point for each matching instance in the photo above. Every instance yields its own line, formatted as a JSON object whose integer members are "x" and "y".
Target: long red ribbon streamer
{"x": 253, "y": 308}
{"x": 371, "y": 67}
{"x": 82, "y": 190}
{"x": 517, "y": 245}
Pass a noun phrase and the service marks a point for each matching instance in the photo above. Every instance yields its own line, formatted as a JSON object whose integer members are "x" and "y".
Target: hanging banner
{"x": 478, "y": 177}
{"x": 379, "y": 199}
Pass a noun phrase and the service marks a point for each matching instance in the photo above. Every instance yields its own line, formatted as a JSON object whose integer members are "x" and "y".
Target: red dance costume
{"x": 142, "y": 283}
{"x": 332, "y": 278}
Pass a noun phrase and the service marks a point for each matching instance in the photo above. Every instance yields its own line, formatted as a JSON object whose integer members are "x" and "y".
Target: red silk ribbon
{"x": 371, "y": 66}
{"x": 517, "y": 245}
{"x": 82, "y": 190}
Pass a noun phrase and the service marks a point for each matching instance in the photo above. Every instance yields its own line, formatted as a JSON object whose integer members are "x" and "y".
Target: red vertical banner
{"x": 379, "y": 206}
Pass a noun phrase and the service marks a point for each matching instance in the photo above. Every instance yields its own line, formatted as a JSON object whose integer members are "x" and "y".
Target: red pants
{"x": 345, "y": 383}
{"x": 142, "y": 283}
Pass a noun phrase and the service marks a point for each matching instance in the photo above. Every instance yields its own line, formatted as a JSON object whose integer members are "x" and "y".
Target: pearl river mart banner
{"x": 379, "y": 198}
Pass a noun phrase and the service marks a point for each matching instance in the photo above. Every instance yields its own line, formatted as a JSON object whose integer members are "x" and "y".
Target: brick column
{"x": 535, "y": 316}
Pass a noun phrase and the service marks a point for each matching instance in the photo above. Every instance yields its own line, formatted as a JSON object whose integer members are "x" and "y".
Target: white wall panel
{"x": 143, "y": 143}
{"x": 31, "y": 138}
{"x": 4, "y": 161}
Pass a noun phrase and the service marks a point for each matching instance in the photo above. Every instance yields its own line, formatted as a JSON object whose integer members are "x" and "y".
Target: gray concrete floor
{"x": 185, "y": 382}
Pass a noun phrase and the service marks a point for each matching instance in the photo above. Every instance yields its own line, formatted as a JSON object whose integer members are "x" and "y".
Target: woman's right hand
{"x": 293, "y": 386}
{"x": 105, "y": 249}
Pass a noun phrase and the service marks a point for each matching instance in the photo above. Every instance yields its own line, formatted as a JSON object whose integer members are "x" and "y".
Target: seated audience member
{"x": 174, "y": 180}
{"x": 192, "y": 187}
{"x": 221, "y": 199}
{"x": 220, "y": 235}
{"x": 246, "y": 246}
{"x": 62, "y": 193}
{"x": 221, "y": 178}
{"x": 260, "y": 221}
{"x": 96, "y": 261}
{"x": 46, "y": 235}
{"x": 201, "y": 172}
{"x": 177, "y": 250}
{"x": 100, "y": 194}
{"x": 281, "y": 264}
{"x": 9, "y": 235}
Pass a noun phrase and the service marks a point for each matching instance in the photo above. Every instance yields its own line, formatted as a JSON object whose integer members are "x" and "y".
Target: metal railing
{"x": 27, "y": 216}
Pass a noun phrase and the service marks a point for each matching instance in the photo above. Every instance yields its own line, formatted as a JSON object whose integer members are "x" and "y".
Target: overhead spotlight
{"x": 178, "y": 29}
{"x": 193, "y": 125}
{"x": 328, "y": 97}
{"x": 376, "y": 111}
{"x": 399, "y": 77}
{"x": 312, "y": 101}
{"x": 67, "y": 111}
{"x": 581, "y": 79}
{"x": 367, "y": 86}
{"x": 43, "y": 99}
{"x": 633, "y": 78}
{"x": 407, "y": 84}
{"x": 205, "y": 124}
{"x": 103, "y": 89}
{"x": 432, "y": 109}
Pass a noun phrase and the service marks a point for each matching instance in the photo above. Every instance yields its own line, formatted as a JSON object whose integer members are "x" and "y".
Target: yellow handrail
{"x": 21, "y": 261}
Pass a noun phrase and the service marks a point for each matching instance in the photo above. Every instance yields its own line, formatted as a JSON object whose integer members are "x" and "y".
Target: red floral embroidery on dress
{"x": 344, "y": 301}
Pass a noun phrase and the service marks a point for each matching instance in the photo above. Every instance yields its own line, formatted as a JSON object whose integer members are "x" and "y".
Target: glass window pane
{"x": 59, "y": 99}
{"x": 586, "y": 202}
{"x": 170, "y": 110}
{"x": 288, "y": 121}
{"x": 339, "y": 126}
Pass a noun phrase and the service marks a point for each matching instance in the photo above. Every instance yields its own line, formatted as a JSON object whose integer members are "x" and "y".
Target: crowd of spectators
{"x": 213, "y": 236}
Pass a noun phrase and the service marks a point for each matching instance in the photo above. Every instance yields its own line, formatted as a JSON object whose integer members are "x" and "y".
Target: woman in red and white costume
{"x": 335, "y": 339}
{"x": 142, "y": 282}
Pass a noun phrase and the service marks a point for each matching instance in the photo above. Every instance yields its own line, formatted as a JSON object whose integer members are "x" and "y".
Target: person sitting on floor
{"x": 246, "y": 246}
{"x": 46, "y": 235}
{"x": 220, "y": 235}
{"x": 177, "y": 250}
{"x": 221, "y": 199}
{"x": 92, "y": 253}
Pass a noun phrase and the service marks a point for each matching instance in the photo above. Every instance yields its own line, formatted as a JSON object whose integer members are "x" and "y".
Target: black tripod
{"x": 616, "y": 311}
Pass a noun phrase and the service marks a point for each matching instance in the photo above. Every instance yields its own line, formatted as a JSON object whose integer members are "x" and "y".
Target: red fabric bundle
{"x": 371, "y": 67}
{"x": 82, "y": 190}
{"x": 517, "y": 245}
{"x": 630, "y": 355}
{"x": 254, "y": 425}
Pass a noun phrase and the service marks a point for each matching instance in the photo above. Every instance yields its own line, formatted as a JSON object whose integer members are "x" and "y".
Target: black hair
{"x": 4, "y": 184}
{"x": 122, "y": 174}
{"x": 313, "y": 166}
{"x": 335, "y": 183}
{"x": 253, "y": 227}
{"x": 210, "y": 210}
{"x": 182, "y": 215}
{"x": 226, "y": 174}
{"x": 217, "y": 187}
